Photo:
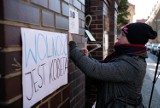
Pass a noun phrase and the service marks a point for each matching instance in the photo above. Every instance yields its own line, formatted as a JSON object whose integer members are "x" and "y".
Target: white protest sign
{"x": 73, "y": 21}
{"x": 45, "y": 64}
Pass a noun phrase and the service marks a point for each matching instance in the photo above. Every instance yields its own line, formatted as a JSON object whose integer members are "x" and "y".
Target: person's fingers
{"x": 86, "y": 52}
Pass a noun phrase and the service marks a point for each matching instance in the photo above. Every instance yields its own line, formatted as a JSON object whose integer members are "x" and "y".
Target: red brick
{"x": 65, "y": 105}
{"x": 8, "y": 90}
{"x": 62, "y": 22}
{"x": 94, "y": 17}
{"x": 100, "y": 8}
{"x": 79, "y": 101}
{"x": 71, "y": 76}
{"x": 99, "y": 53}
{"x": 93, "y": 26}
{"x": 43, "y": 3}
{"x": 65, "y": 9}
{"x": 16, "y": 104}
{"x": 2, "y": 34}
{"x": 94, "y": 8}
{"x": 74, "y": 75}
{"x": 65, "y": 93}
{"x": 98, "y": 57}
{"x": 10, "y": 36}
{"x": 2, "y": 90}
{"x": 47, "y": 19}
{"x": 96, "y": 3}
{"x": 96, "y": 12}
{"x": 73, "y": 85}
{"x": 100, "y": 17}
{"x": 9, "y": 60}
{"x": 1, "y": 9}
{"x": 56, "y": 101}
{"x": 99, "y": 35}
{"x": 17, "y": 11}
{"x": 45, "y": 105}
{"x": 98, "y": 22}
{"x": 55, "y": 5}
{"x": 71, "y": 67}
{"x": 100, "y": 26}
{"x": 98, "y": 31}
{"x": 77, "y": 4}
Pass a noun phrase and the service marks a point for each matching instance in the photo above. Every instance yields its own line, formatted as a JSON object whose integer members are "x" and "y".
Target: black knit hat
{"x": 139, "y": 33}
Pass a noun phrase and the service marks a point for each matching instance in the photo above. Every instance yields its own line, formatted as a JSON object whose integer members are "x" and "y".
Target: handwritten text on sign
{"x": 45, "y": 64}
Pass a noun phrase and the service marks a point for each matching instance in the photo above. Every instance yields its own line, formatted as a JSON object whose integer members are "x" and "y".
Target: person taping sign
{"x": 120, "y": 74}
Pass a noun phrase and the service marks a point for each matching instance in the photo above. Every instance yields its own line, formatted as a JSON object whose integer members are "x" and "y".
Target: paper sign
{"x": 45, "y": 64}
{"x": 73, "y": 21}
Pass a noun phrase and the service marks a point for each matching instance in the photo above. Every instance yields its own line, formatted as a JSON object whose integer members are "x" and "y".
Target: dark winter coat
{"x": 120, "y": 79}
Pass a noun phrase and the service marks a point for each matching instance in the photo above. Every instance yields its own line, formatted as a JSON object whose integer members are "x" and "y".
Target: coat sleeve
{"x": 117, "y": 71}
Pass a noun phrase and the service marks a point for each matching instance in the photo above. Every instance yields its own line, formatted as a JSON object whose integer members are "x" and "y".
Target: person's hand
{"x": 70, "y": 37}
{"x": 85, "y": 51}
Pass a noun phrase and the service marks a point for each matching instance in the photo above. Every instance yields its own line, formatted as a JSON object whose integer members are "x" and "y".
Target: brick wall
{"x": 99, "y": 28}
{"x": 48, "y": 15}
{"x": 96, "y": 28}
{"x": 112, "y": 24}
{"x": 103, "y": 25}
{"x": 103, "y": 28}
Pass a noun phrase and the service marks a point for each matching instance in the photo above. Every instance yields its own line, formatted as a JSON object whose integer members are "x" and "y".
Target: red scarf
{"x": 127, "y": 49}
